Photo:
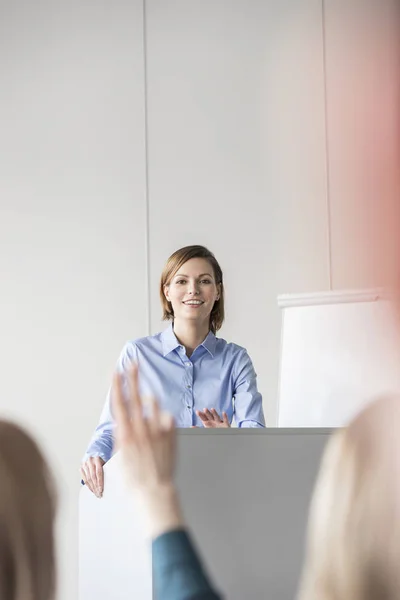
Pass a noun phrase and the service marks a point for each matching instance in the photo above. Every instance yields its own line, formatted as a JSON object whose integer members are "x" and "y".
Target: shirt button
{"x": 188, "y": 364}
{"x": 188, "y": 386}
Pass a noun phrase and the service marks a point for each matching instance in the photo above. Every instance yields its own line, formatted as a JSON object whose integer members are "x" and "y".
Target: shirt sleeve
{"x": 102, "y": 441}
{"x": 247, "y": 399}
{"x": 177, "y": 571}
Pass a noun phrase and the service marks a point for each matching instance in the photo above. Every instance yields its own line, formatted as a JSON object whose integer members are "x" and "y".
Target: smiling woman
{"x": 202, "y": 380}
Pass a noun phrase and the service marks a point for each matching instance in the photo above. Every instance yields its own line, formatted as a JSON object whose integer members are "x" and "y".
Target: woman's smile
{"x": 193, "y": 303}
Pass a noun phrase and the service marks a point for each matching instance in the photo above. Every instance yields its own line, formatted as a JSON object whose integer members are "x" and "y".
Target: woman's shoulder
{"x": 230, "y": 348}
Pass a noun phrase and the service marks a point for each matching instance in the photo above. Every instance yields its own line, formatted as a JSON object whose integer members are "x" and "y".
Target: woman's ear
{"x": 166, "y": 293}
{"x": 218, "y": 292}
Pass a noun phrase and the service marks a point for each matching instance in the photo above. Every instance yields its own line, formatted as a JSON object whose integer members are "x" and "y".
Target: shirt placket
{"x": 188, "y": 384}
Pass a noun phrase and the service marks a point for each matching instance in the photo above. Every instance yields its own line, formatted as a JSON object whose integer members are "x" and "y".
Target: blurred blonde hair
{"x": 27, "y": 511}
{"x": 353, "y": 545}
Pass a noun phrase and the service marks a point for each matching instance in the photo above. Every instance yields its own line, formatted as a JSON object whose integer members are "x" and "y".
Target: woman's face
{"x": 193, "y": 290}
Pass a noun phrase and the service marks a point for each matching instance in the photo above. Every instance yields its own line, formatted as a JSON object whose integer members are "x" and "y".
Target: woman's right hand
{"x": 92, "y": 475}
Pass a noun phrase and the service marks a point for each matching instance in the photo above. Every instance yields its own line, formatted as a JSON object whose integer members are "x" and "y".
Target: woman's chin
{"x": 193, "y": 315}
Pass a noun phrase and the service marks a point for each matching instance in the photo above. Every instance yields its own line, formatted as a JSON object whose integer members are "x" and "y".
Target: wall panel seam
{"x": 146, "y": 157}
{"x": 327, "y": 155}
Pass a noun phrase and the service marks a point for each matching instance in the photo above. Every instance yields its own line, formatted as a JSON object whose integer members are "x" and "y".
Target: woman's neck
{"x": 191, "y": 335}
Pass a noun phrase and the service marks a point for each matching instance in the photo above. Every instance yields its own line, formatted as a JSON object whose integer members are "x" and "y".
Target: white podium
{"x": 245, "y": 494}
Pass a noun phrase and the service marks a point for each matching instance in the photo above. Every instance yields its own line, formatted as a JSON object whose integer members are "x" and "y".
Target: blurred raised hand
{"x": 148, "y": 446}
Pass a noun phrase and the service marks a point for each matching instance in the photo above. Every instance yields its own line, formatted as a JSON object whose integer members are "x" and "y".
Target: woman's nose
{"x": 193, "y": 288}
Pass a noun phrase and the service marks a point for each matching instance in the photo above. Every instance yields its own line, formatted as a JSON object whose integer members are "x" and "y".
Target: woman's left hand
{"x": 210, "y": 418}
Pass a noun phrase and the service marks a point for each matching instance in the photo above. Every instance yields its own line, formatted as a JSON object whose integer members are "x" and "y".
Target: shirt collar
{"x": 210, "y": 343}
{"x": 170, "y": 342}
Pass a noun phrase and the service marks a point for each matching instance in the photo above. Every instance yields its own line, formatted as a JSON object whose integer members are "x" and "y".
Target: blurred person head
{"x": 27, "y": 511}
{"x": 353, "y": 545}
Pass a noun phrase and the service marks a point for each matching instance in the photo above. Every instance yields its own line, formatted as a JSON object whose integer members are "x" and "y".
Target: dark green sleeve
{"x": 177, "y": 570}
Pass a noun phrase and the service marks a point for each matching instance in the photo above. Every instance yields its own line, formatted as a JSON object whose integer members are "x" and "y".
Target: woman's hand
{"x": 92, "y": 475}
{"x": 148, "y": 447}
{"x": 210, "y": 418}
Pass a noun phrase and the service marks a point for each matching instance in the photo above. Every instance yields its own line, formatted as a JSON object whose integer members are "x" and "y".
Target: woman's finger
{"x": 211, "y": 415}
{"x": 168, "y": 424}
{"x": 99, "y": 477}
{"x": 225, "y": 418}
{"x": 202, "y": 415}
{"x": 92, "y": 468}
{"x": 85, "y": 474}
{"x": 134, "y": 395}
{"x": 216, "y": 415}
{"x": 206, "y": 419}
{"x": 138, "y": 422}
{"x": 155, "y": 416}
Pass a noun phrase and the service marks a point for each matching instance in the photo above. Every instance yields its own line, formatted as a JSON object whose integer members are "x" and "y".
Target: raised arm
{"x": 148, "y": 447}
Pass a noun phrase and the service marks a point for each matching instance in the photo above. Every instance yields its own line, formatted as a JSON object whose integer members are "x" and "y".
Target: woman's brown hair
{"x": 27, "y": 511}
{"x": 174, "y": 263}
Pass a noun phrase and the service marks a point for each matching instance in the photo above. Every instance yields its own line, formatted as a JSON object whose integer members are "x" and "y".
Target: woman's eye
{"x": 205, "y": 281}
{"x": 181, "y": 281}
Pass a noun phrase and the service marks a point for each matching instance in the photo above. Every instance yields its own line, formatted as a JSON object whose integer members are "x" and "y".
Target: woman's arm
{"x": 177, "y": 571}
{"x": 98, "y": 453}
{"x": 101, "y": 443}
{"x": 100, "y": 448}
{"x": 247, "y": 399}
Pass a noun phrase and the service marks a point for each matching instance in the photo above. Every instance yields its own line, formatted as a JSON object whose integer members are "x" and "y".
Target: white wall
{"x": 237, "y": 156}
{"x": 245, "y": 153}
{"x": 72, "y": 223}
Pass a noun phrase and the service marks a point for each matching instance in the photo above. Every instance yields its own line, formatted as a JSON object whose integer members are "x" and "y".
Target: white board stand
{"x": 339, "y": 350}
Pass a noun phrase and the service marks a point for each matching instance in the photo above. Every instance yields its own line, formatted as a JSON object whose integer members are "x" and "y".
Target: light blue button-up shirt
{"x": 218, "y": 375}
